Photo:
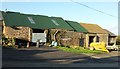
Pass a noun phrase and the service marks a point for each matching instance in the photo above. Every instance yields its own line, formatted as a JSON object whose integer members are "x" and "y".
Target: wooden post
{"x": 38, "y": 43}
{"x": 87, "y": 40}
{"x": 55, "y": 35}
{"x": 115, "y": 40}
{"x": 28, "y": 44}
{"x": 29, "y": 36}
{"x": 107, "y": 39}
{"x": 95, "y": 38}
{"x": 4, "y": 28}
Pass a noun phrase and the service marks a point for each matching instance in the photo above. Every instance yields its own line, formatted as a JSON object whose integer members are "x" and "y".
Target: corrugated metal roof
{"x": 61, "y": 23}
{"x": 93, "y": 28}
{"x": 76, "y": 26}
{"x": 34, "y": 21}
{"x": 110, "y": 33}
{"x": 28, "y": 20}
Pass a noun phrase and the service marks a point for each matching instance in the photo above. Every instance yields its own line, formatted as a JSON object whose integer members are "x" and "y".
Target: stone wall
{"x": 0, "y": 32}
{"x": 73, "y": 38}
{"x": 23, "y": 33}
{"x": 68, "y": 38}
{"x": 103, "y": 37}
{"x": 97, "y": 38}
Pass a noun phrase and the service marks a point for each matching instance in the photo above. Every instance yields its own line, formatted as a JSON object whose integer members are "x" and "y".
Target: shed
{"x": 96, "y": 34}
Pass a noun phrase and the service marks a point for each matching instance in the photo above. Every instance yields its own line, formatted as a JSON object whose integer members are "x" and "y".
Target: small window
{"x": 55, "y": 22}
{"x": 31, "y": 20}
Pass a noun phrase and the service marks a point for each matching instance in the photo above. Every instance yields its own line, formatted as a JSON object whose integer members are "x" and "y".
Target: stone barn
{"x": 96, "y": 34}
{"x": 59, "y": 30}
{"x": 25, "y": 27}
{"x": 75, "y": 37}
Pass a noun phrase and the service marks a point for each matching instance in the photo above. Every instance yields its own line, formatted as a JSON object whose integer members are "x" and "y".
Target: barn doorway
{"x": 38, "y": 34}
{"x": 91, "y": 39}
{"x": 38, "y": 31}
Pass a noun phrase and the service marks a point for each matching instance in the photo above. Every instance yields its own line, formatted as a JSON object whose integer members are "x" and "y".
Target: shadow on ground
{"x": 48, "y": 55}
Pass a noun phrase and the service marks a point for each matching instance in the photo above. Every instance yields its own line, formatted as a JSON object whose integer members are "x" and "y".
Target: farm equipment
{"x": 98, "y": 46}
{"x": 112, "y": 47}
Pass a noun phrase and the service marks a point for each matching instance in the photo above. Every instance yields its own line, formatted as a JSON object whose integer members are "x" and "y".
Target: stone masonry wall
{"x": 18, "y": 32}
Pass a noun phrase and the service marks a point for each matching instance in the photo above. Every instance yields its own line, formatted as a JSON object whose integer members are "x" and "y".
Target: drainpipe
{"x": 55, "y": 35}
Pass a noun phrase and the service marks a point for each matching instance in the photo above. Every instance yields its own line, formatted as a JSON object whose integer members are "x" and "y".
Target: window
{"x": 55, "y": 22}
{"x": 31, "y": 20}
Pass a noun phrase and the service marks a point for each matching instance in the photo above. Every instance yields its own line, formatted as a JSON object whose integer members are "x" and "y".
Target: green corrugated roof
{"x": 28, "y": 20}
{"x": 76, "y": 26}
{"x": 34, "y": 21}
{"x": 61, "y": 23}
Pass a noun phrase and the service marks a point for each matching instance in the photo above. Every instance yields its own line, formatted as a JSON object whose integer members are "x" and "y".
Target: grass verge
{"x": 80, "y": 50}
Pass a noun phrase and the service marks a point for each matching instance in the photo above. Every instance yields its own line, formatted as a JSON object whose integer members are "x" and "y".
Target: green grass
{"x": 79, "y": 50}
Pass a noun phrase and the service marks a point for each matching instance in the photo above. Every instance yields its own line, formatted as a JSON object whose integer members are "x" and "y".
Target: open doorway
{"x": 38, "y": 31}
{"x": 91, "y": 39}
{"x": 38, "y": 35}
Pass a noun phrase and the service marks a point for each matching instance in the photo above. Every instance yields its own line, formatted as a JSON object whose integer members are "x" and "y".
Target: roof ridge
{"x": 88, "y": 23}
{"x": 24, "y": 13}
{"x": 72, "y": 21}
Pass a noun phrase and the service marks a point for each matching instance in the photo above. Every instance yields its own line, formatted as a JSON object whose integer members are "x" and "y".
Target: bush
{"x": 6, "y": 41}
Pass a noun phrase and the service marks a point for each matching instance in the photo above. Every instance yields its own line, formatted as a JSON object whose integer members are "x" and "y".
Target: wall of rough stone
{"x": 97, "y": 38}
{"x": 68, "y": 38}
{"x": 103, "y": 37}
{"x": 23, "y": 33}
{"x": 0, "y": 32}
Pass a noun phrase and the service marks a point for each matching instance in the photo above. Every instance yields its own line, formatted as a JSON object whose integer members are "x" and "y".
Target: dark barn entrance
{"x": 91, "y": 39}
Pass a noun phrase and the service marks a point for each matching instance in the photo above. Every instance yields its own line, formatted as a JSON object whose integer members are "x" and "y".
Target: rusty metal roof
{"x": 93, "y": 28}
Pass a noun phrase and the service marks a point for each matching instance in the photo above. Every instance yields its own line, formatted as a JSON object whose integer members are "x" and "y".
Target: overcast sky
{"x": 71, "y": 11}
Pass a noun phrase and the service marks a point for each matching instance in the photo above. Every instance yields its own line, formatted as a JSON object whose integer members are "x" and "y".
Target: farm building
{"x": 25, "y": 27}
{"x": 56, "y": 33}
{"x": 69, "y": 33}
{"x": 96, "y": 34}
{"x": 77, "y": 36}
{"x": 111, "y": 38}
{"x": 29, "y": 28}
